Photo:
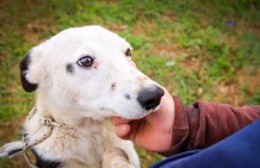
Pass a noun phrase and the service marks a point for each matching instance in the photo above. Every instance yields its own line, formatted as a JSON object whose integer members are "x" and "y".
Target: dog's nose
{"x": 150, "y": 97}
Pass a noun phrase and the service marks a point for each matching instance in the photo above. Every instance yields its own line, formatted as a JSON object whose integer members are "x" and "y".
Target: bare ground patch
{"x": 11, "y": 131}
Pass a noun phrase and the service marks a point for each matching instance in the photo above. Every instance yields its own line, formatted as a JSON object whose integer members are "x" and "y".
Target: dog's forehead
{"x": 72, "y": 44}
{"x": 90, "y": 36}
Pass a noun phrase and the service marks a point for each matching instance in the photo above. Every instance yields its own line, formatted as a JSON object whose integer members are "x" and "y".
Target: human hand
{"x": 153, "y": 132}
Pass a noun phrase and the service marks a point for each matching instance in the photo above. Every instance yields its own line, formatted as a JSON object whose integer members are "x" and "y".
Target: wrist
{"x": 180, "y": 131}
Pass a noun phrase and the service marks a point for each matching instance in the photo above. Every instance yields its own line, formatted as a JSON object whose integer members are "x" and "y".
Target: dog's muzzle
{"x": 150, "y": 97}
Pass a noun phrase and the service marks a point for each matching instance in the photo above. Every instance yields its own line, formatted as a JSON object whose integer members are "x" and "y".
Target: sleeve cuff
{"x": 180, "y": 128}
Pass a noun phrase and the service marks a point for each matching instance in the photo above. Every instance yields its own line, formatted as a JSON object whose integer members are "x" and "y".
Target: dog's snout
{"x": 150, "y": 97}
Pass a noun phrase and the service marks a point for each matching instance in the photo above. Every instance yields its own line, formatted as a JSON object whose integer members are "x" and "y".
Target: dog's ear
{"x": 24, "y": 68}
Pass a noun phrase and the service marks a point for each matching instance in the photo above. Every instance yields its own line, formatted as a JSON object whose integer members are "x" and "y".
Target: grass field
{"x": 197, "y": 49}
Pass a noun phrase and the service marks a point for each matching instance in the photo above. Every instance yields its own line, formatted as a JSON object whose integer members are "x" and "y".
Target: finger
{"x": 119, "y": 120}
{"x": 123, "y": 131}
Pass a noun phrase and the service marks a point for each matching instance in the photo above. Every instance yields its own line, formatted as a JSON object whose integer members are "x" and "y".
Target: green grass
{"x": 198, "y": 50}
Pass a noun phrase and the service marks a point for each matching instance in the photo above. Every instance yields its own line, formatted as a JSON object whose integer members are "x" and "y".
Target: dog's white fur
{"x": 84, "y": 98}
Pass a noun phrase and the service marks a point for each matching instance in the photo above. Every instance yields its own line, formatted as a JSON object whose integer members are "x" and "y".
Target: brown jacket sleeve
{"x": 203, "y": 124}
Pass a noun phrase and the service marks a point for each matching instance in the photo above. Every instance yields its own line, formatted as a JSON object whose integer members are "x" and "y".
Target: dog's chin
{"x": 130, "y": 115}
{"x": 142, "y": 114}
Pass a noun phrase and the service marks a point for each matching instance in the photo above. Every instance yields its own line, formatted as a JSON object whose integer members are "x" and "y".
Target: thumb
{"x": 123, "y": 131}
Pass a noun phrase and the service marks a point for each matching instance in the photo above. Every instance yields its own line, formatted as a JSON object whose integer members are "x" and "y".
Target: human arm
{"x": 203, "y": 124}
{"x": 172, "y": 130}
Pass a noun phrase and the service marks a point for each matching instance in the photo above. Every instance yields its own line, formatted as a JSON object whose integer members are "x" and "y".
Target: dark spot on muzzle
{"x": 127, "y": 96}
{"x": 150, "y": 97}
{"x": 113, "y": 86}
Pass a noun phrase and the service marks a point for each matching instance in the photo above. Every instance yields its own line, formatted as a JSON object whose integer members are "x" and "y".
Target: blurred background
{"x": 197, "y": 49}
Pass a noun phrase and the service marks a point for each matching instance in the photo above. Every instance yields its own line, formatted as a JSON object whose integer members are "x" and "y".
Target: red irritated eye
{"x": 85, "y": 62}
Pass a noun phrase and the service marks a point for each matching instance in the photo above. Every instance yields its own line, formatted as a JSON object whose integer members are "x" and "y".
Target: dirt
{"x": 249, "y": 78}
{"x": 11, "y": 132}
{"x": 231, "y": 91}
{"x": 117, "y": 28}
{"x": 33, "y": 30}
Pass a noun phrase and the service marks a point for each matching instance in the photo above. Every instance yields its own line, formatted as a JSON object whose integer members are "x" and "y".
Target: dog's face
{"x": 88, "y": 71}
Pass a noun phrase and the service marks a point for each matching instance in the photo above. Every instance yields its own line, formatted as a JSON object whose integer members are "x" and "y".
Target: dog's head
{"x": 88, "y": 71}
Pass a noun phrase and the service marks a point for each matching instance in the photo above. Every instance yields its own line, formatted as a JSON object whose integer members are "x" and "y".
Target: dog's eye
{"x": 128, "y": 52}
{"x": 86, "y": 61}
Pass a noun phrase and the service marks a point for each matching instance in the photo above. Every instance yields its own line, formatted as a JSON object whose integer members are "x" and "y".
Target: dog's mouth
{"x": 132, "y": 114}
{"x": 142, "y": 113}
{"x": 147, "y": 113}
{"x": 147, "y": 101}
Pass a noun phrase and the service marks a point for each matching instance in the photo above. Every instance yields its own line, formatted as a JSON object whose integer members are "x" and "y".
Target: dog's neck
{"x": 63, "y": 116}
{"x": 73, "y": 131}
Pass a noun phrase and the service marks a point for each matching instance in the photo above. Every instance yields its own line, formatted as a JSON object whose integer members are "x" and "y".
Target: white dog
{"x": 83, "y": 76}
